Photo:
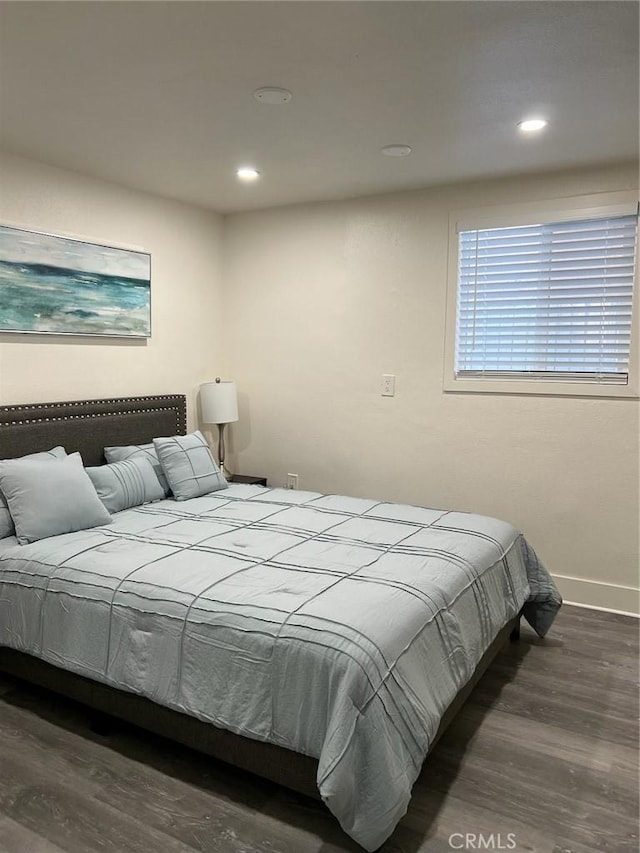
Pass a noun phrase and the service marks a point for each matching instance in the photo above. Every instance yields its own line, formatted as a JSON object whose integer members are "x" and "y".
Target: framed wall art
{"x": 64, "y": 286}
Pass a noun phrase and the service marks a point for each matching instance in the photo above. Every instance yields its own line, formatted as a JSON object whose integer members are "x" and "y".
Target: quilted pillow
{"x": 134, "y": 451}
{"x": 189, "y": 465}
{"x": 7, "y": 527}
{"x": 122, "y": 485}
{"x": 47, "y": 497}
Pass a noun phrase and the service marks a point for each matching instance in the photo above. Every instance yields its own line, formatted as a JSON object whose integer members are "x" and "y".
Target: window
{"x": 544, "y": 301}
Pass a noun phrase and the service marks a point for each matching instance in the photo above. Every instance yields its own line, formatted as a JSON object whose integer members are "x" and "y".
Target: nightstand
{"x": 248, "y": 479}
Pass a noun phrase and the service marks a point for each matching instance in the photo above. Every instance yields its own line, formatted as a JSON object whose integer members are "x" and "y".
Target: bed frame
{"x": 88, "y": 426}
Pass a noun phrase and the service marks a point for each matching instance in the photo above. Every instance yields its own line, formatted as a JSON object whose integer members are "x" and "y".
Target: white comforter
{"x": 337, "y": 627}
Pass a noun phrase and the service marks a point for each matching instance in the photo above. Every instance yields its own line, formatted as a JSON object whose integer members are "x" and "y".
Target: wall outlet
{"x": 388, "y": 387}
{"x": 292, "y": 481}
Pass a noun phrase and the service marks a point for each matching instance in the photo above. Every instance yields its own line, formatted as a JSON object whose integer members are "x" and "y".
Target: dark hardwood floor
{"x": 544, "y": 754}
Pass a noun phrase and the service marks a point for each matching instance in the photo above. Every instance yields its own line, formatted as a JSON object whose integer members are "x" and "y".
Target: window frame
{"x": 529, "y": 213}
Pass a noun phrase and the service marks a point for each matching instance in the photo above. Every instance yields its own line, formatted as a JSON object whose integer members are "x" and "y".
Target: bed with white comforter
{"x": 337, "y": 627}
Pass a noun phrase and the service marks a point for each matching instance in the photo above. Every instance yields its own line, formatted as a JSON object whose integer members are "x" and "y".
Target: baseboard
{"x": 598, "y": 595}
{"x": 602, "y": 609}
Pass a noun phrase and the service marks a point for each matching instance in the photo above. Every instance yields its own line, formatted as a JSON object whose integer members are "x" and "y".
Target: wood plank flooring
{"x": 544, "y": 754}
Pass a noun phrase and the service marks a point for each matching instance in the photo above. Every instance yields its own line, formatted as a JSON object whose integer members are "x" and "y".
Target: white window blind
{"x": 547, "y": 301}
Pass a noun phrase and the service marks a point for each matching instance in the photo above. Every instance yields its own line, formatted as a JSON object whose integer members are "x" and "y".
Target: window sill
{"x": 540, "y": 387}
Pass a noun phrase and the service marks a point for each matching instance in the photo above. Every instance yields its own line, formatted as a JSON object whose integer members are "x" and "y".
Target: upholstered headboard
{"x": 90, "y": 425}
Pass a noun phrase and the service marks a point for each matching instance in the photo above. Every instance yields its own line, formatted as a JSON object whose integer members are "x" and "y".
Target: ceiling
{"x": 158, "y": 95}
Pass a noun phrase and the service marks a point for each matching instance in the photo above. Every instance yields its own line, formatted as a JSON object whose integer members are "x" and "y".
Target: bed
{"x": 321, "y": 641}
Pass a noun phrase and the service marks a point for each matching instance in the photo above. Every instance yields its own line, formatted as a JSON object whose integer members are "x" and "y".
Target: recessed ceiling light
{"x": 272, "y": 95}
{"x": 531, "y": 125}
{"x": 247, "y": 173}
{"x": 396, "y": 150}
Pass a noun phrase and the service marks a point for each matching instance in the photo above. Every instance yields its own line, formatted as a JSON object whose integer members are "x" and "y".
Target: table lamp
{"x": 219, "y": 404}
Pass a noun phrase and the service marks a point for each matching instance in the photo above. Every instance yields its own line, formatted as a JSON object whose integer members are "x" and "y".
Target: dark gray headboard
{"x": 90, "y": 425}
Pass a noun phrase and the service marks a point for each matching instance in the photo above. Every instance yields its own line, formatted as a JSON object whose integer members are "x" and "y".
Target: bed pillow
{"x": 122, "y": 485}
{"x": 47, "y": 497}
{"x": 7, "y": 527}
{"x": 189, "y": 465}
{"x": 135, "y": 451}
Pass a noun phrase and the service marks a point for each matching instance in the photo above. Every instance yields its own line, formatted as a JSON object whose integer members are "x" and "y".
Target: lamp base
{"x": 226, "y": 474}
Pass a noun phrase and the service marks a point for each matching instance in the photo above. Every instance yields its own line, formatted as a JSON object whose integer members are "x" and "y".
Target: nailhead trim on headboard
{"x": 93, "y": 415}
{"x": 180, "y": 409}
{"x": 179, "y": 422}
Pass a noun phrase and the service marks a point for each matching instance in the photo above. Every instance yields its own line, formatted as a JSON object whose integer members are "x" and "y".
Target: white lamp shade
{"x": 219, "y": 402}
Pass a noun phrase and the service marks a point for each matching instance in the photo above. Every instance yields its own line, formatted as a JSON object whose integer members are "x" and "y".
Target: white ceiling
{"x": 158, "y": 95}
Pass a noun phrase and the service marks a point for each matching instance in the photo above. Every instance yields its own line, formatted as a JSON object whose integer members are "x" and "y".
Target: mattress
{"x": 338, "y": 627}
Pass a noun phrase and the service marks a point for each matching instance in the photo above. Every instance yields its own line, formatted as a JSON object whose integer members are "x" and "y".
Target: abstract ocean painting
{"x": 59, "y": 285}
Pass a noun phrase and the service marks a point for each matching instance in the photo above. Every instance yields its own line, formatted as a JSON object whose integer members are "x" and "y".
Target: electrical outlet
{"x": 388, "y": 388}
{"x": 292, "y": 481}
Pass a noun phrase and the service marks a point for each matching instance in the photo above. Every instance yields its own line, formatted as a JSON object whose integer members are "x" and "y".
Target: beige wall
{"x": 321, "y": 299}
{"x": 185, "y": 348}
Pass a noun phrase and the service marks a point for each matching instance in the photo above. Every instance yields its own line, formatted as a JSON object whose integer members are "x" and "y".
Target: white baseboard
{"x": 603, "y": 609}
{"x": 598, "y": 595}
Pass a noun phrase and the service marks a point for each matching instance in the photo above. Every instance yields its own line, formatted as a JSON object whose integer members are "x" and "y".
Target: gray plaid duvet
{"x": 337, "y": 627}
